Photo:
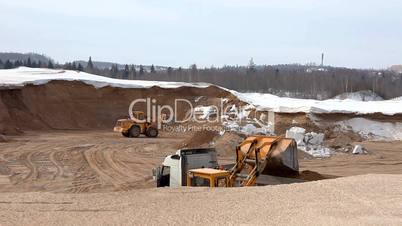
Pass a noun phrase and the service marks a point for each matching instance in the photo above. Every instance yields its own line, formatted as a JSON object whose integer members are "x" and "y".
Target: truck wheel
{"x": 125, "y": 134}
{"x": 151, "y": 132}
{"x": 134, "y": 131}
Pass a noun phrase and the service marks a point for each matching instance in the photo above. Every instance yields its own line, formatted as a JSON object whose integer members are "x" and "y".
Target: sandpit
{"x": 59, "y": 143}
{"x": 358, "y": 200}
{"x": 103, "y": 161}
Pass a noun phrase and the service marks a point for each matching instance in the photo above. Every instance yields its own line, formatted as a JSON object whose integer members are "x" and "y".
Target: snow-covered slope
{"x": 269, "y": 102}
{"x": 274, "y": 103}
{"x": 37, "y": 76}
{"x": 370, "y": 129}
{"x": 364, "y": 95}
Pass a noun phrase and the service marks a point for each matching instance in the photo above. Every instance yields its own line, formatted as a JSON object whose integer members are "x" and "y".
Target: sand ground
{"x": 383, "y": 157}
{"x": 101, "y": 161}
{"x": 81, "y": 161}
{"x": 100, "y": 177}
{"x": 357, "y": 200}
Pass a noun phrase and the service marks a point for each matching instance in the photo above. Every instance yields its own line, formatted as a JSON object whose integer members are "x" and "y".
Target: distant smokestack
{"x": 322, "y": 60}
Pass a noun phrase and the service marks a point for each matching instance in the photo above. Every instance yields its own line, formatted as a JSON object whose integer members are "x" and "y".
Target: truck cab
{"x": 174, "y": 169}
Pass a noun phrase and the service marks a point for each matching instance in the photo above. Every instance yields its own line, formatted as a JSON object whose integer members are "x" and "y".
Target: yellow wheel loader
{"x": 260, "y": 160}
{"x": 134, "y": 128}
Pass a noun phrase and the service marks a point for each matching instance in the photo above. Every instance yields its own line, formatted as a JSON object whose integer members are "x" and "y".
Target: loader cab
{"x": 140, "y": 115}
{"x": 207, "y": 177}
{"x": 174, "y": 169}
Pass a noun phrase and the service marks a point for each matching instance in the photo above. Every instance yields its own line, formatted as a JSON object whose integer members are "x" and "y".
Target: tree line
{"x": 290, "y": 80}
{"x": 295, "y": 80}
{"x": 10, "y": 64}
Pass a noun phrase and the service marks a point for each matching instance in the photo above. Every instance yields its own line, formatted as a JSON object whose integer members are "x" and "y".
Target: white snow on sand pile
{"x": 38, "y": 76}
{"x": 269, "y": 102}
{"x": 366, "y": 95}
{"x": 311, "y": 143}
{"x": 204, "y": 112}
{"x": 375, "y": 130}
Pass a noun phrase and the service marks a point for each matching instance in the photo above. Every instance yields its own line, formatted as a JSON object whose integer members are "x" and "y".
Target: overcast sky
{"x": 352, "y": 33}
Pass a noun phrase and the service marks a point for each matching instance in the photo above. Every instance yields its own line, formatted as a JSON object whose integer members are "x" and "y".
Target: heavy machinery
{"x": 136, "y": 127}
{"x": 174, "y": 169}
{"x": 257, "y": 158}
{"x": 264, "y": 155}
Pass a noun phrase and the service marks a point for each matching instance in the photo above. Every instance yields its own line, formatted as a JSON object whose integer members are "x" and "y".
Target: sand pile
{"x": 199, "y": 139}
{"x": 359, "y": 200}
{"x": 75, "y": 105}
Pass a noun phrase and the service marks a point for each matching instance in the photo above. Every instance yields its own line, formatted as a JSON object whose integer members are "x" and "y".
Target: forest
{"x": 293, "y": 80}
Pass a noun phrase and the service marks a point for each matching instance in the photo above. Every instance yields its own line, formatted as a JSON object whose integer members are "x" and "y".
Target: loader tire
{"x": 134, "y": 131}
{"x": 125, "y": 134}
{"x": 151, "y": 132}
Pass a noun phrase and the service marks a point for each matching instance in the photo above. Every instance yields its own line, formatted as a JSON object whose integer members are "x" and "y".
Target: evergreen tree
{"x": 50, "y": 64}
{"x": 251, "y": 66}
{"x": 68, "y": 66}
{"x": 40, "y": 64}
{"x": 142, "y": 70}
{"x": 153, "y": 69}
{"x": 194, "y": 69}
{"x": 18, "y": 63}
{"x": 8, "y": 65}
{"x": 194, "y": 72}
{"x": 133, "y": 72}
{"x": 126, "y": 72}
{"x": 74, "y": 66}
{"x": 1, "y": 64}
{"x": 90, "y": 66}
{"x": 114, "y": 71}
{"x": 170, "y": 70}
{"x": 29, "y": 64}
{"x": 80, "y": 67}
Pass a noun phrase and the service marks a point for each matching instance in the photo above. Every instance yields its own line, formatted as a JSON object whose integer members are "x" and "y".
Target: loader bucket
{"x": 276, "y": 155}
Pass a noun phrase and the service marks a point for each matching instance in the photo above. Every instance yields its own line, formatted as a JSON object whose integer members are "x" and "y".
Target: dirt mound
{"x": 284, "y": 121}
{"x": 312, "y": 176}
{"x": 199, "y": 139}
{"x": 226, "y": 144}
{"x": 341, "y": 141}
{"x": 75, "y": 105}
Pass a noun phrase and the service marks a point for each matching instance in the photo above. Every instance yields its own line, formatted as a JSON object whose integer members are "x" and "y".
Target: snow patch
{"x": 375, "y": 130}
{"x": 358, "y": 149}
{"x": 366, "y": 95}
{"x": 204, "y": 112}
{"x": 296, "y": 133}
{"x": 269, "y": 102}
{"x": 318, "y": 151}
{"x": 311, "y": 143}
{"x": 248, "y": 129}
{"x": 314, "y": 138}
{"x": 38, "y": 76}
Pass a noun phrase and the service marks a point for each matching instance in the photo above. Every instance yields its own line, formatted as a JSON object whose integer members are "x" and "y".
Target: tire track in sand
{"x": 99, "y": 164}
